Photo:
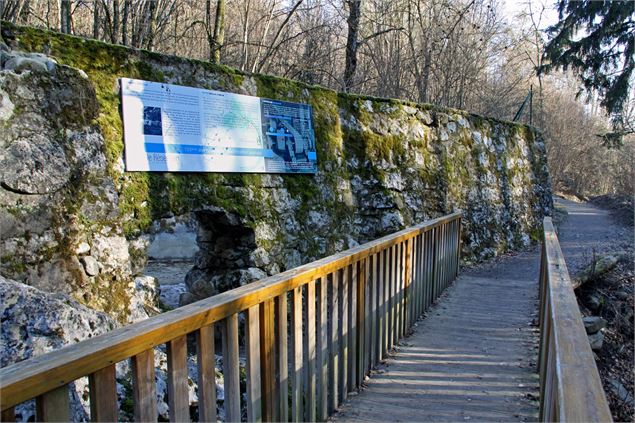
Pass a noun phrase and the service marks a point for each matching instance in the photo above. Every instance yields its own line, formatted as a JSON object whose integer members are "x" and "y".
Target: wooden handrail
{"x": 381, "y": 287}
{"x": 570, "y": 385}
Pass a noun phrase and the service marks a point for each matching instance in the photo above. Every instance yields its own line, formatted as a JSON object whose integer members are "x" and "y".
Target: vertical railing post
{"x": 334, "y": 348}
{"x": 310, "y": 353}
{"x": 322, "y": 350}
{"x": 344, "y": 329}
{"x": 178, "y": 398}
{"x": 144, "y": 388}
{"x": 103, "y": 395}
{"x": 283, "y": 358}
{"x": 252, "y": 346}
{"x": 206, "y": 361}
{"x": 296, "y": 355}
{"x": 54, "y": 406}
{"x": 231, "y": 369}
{"x": 267, "y": 357}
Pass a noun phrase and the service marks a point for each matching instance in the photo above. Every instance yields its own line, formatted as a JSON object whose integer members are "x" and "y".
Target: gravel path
{"x": 586, "y": 229}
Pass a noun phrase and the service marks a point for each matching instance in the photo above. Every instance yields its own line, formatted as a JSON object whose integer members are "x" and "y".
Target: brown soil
{"x": 616, "y": 357}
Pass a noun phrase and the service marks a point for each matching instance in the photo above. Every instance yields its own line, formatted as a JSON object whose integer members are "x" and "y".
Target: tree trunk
{"x": 115, "y": 22}
{"x": 96, "y": 20}
{"x": 354, "y": 14}
{"x": 65, "y": 16}
{"x": 219, "y": 31}
{"x": 124, "y": 22}
{"x": 152, "y": 24}
{"x": 25, "y": 11}
{"x": 245, "y": 51}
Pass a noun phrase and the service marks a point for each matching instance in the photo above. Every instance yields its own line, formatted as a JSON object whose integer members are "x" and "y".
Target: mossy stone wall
{"x": 383, "y": 165}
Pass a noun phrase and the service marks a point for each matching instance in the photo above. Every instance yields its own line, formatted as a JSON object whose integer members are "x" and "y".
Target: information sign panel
{"x": 172, "y": 128}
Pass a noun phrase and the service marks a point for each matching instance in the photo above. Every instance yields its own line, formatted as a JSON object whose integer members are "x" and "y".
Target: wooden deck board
{"x": 471, "y": 359}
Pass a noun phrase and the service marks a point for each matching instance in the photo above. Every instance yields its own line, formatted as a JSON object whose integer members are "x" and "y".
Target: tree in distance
{"x": 597, "y": 40}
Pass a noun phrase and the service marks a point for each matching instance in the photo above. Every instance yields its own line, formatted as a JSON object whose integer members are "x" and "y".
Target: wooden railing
{"x": 311, "y": 335}
{"x": 570, "y": 386}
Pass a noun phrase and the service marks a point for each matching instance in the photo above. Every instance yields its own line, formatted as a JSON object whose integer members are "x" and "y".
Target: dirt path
{"x": 586, "y": 229}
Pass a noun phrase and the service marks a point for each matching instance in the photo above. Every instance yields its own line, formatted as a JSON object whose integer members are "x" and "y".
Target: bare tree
{"x": 219, "y": 31}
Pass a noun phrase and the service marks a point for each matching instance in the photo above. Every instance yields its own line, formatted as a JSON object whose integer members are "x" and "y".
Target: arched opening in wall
{"x": 171, "y": 255}
{"x": 201, "y": 254}
{"x": 224, "y": 258}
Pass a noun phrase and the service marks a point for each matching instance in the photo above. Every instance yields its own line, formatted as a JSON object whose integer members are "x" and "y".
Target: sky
{"x": 511, "y": 8}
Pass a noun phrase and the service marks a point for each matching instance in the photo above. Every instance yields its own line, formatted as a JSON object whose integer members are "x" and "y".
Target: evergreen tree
{"x": 597, "y": 40}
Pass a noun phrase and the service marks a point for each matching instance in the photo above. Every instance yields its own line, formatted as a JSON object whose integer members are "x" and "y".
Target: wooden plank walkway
{"x": 473, "y": 358}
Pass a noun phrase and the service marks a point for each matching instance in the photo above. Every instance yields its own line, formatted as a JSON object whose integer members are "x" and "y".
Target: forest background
{"x": 477, "y": 55}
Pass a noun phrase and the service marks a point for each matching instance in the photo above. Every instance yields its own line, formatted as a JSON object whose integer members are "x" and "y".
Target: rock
{"x": 82, "y": 248}
{"x": 596, "y": 340}
{"x": 594, "y": 302}
{"x": 35, "y": 322}
{"x": 58, "y": 275}
{"x": 596, "y": 269}
{"x": 6, "y": 106}
{"x": 112, "y": 251}
{"x": 144, "y": 302}
{"x": 34, "y": 165}
{"x": 621, "y": 392}
{"x": 593, "y": 324}
{"x": 91, "y": 266}
{"x": 203, "y": 284}
{"x": 622, "y": 295}
{"x": 171, "y": 294}
{"x": 21, "y": 64}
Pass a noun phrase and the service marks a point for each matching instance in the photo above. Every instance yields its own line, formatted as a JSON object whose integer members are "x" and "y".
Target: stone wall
{"x": 73, "y": 221}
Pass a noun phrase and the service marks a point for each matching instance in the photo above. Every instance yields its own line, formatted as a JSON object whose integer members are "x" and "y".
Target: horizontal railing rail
{"x": 311, "y": 336}
{"x": 570, "y": 385}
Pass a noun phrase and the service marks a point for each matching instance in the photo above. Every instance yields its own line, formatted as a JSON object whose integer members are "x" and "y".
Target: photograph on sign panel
{"x": 289, "y": 136}
{"x": 152, "y": 121}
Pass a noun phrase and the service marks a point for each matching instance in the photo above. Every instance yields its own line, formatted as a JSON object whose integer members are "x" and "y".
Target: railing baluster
{"x": 408, "y": 287}
{"x": 231, "y": 369}
{"x": 283, "y": 358}
{"x": 8, "y": 415}
{"x": 309, "y": 363}
{"x": 296, "y": 355}
{"x": 352, "y": 332}
{"x": 178, "y": 397}
{"x": 435, "y": 275}
{"x": 414, "y": 281}
{"x": 365, "y": 316}
{"x": 420, "y": 275}
{"x": 54, "y": 406}
{"x": 344, "y": 335}
{"x": 103, "y": 395}
{"x": 400, "y": 293}
{"x": 426, "y": 269}
{"x": 206, "y": 361}
{"x": 322, "y": 350}
{"x": 334, "y": 347}
{"x": 442, "y": 257}
{"x": 381, "y": 309}
{"x": 267, "y": 360}
{"x": 373, "y": 343}
{"x": 390, "y": 320}
{"x": 144, "y": 388}
{"x": 254, "y": 381}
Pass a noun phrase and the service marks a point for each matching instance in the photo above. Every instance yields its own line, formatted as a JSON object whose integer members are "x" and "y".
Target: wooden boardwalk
{"x": 473, "y": 358}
